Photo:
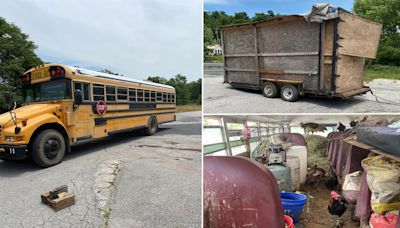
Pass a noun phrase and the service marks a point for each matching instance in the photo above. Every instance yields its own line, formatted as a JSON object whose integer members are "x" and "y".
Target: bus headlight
{"x": 10, "y": 138}
{"x": 14, "y": 138}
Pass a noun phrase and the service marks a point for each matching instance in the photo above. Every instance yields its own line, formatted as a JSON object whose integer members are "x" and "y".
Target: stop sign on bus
{"x": 101, "y": 107}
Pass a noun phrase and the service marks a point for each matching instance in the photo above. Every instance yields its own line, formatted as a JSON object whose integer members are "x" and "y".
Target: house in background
{"x": 215, "y": 49}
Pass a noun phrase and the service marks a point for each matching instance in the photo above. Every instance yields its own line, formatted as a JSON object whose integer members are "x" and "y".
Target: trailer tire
{"x": 270, "y": 90}
{"x": 48, "y": 148}
{"x": 289, "y": 93}
{"x": 152, "y": 126}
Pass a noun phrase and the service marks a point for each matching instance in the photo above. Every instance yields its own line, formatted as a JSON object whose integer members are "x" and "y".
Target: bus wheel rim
{"x": 51, "y": 148}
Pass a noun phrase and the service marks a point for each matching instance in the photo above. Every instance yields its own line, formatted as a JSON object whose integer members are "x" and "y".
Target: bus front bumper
{"x": 13, "y": 152}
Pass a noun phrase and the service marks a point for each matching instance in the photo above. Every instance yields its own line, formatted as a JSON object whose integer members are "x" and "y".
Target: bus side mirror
{"x": 78, "y": 97}
{"x": 11, "y": 105}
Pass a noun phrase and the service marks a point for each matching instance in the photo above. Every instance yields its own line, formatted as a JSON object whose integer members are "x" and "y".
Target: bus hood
{"x": 26, "y": 112}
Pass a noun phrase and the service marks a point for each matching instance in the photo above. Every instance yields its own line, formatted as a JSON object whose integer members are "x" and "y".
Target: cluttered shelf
{"x": 353, "y": 141}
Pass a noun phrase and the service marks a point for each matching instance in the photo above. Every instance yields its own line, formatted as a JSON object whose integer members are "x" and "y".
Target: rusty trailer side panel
{"x": 326, "y": 56}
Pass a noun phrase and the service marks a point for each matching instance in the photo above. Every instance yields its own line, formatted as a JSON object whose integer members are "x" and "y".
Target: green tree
{"x": 383, "y": 11}
{"x": 262, "y": 16}
{"x": 195, "y": 91}
{"x": 208, "y": 38}
{"x": 179, "y": 82}
{"x": 16, "y": 56}
{"x": 185, "y": 92}
{"x": 387, "y": 13}
{"x": 157, "y": 79}
{"x": 240, "y": 17}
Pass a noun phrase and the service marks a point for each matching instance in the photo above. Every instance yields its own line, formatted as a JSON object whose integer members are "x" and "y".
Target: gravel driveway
{"x": 222, "y": 98}
{"x": 126, "y": 180}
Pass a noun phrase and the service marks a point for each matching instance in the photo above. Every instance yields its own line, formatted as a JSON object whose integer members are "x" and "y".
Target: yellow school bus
{"x": 64, "y": 105}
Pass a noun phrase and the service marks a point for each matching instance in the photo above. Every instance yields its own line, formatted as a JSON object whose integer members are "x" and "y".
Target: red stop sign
{"x": 101, "y": 107}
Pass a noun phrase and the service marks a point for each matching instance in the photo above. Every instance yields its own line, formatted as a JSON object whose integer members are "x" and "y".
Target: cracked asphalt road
{"x": 222, "y": 98}
{"x": 158, "y": 183}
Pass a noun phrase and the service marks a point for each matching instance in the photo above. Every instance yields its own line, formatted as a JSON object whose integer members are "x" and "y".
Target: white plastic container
{"x": 293, "y": 163}
{"x": 301, "y": 152}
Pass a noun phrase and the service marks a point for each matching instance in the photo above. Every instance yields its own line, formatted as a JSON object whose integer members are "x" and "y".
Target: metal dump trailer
{"x": 291, "y": 55}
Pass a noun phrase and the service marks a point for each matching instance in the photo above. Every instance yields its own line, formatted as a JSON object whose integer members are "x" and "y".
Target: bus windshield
{"x": 47, "y": 91}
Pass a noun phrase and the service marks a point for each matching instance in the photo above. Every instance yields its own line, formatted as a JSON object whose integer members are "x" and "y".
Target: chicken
{"x": 332, "y": 183}
{"x": 315, "y": 174}
{"x": 337, "y": 207}
{"x": 341, "y": 127}
{"x": 312, "y": 127}
{"x": 354, "y": 123}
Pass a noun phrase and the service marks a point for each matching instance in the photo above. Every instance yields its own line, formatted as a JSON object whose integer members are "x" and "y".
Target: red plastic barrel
{"x": 240, "y": 192}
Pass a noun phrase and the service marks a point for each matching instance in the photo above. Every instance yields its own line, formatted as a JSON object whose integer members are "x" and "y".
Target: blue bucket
{"x": 293, "y": 204}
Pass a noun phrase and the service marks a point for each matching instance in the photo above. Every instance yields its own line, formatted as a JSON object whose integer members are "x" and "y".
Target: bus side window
{"x": 122, "y": 94}
{"x": 164, "y": 96}
{"x": 146, "y": 96}
{"x": 140, "y": 95}
{"x": 86, "y": 91}
{"x": 153, "y": 96}
{"x": 110, "y": 92}
{"x": 169, "y": 98}
{"x": 173, "y": 98}
{"x": 159, "y": 97}
{"x": 78, "y": 85}
{"x": 84, "y": 88}
{"x": 132, "y": 95}
{"x": 98, "y": 92}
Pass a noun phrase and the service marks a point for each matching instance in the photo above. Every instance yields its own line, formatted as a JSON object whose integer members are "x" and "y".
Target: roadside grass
{"x": 188, "y": 108}
{"x": 381, "y": 71}
{"x": 213, "y": 59}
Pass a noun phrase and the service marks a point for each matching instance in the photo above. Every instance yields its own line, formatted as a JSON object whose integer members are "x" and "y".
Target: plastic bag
{"x": 383, "y": 176}
{"x": 387, "y": 220}
{"x": 351, "y": 187}
{"x": 352, "y": 181}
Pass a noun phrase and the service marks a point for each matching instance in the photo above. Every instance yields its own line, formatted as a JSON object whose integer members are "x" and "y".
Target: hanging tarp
{"x": 321, "y": 12}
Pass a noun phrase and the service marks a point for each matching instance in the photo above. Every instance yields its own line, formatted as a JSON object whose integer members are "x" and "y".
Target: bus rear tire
{"x": 152, "y": 126}
{"x": 48, "y": 148}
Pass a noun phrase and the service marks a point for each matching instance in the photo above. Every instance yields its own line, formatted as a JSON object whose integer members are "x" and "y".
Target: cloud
{"x": 133, "y": 38}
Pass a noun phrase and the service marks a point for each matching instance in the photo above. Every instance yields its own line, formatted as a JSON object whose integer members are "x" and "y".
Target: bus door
{"x": 84, "y": 122}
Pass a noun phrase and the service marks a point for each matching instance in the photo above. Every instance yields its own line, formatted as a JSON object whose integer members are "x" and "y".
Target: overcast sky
{"x": 137, "y": 38}
{"x": 278, "y": 6}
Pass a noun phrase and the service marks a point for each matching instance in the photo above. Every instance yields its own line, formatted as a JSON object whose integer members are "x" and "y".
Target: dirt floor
{"x": 315, "y": 213}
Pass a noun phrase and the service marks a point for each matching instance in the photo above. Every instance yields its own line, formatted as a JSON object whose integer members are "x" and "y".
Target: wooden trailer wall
{"x": 328, "y": 57}
{"x": 288, "y": 52}
{"x": 356, "y": 40}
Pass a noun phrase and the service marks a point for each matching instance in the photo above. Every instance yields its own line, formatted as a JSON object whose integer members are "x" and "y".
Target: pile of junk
{"x": 365, "y": 166}
{"x": 364, "y": 178}
{"x": 258, "y": 190}
{"x": 285, "y": 156}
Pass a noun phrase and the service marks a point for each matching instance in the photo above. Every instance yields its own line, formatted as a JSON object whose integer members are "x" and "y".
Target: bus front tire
{"x": 48, "y": 148}
{"x": 152, "y": 126}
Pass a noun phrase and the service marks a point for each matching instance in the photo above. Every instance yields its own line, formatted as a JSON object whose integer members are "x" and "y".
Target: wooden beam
{"x": 281, "y": 81}
{"x": 240, "y": 70}
{"x": 271, "y": 71}
{"x": 284, "y": 54}
{"x": 353, "y": 141}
